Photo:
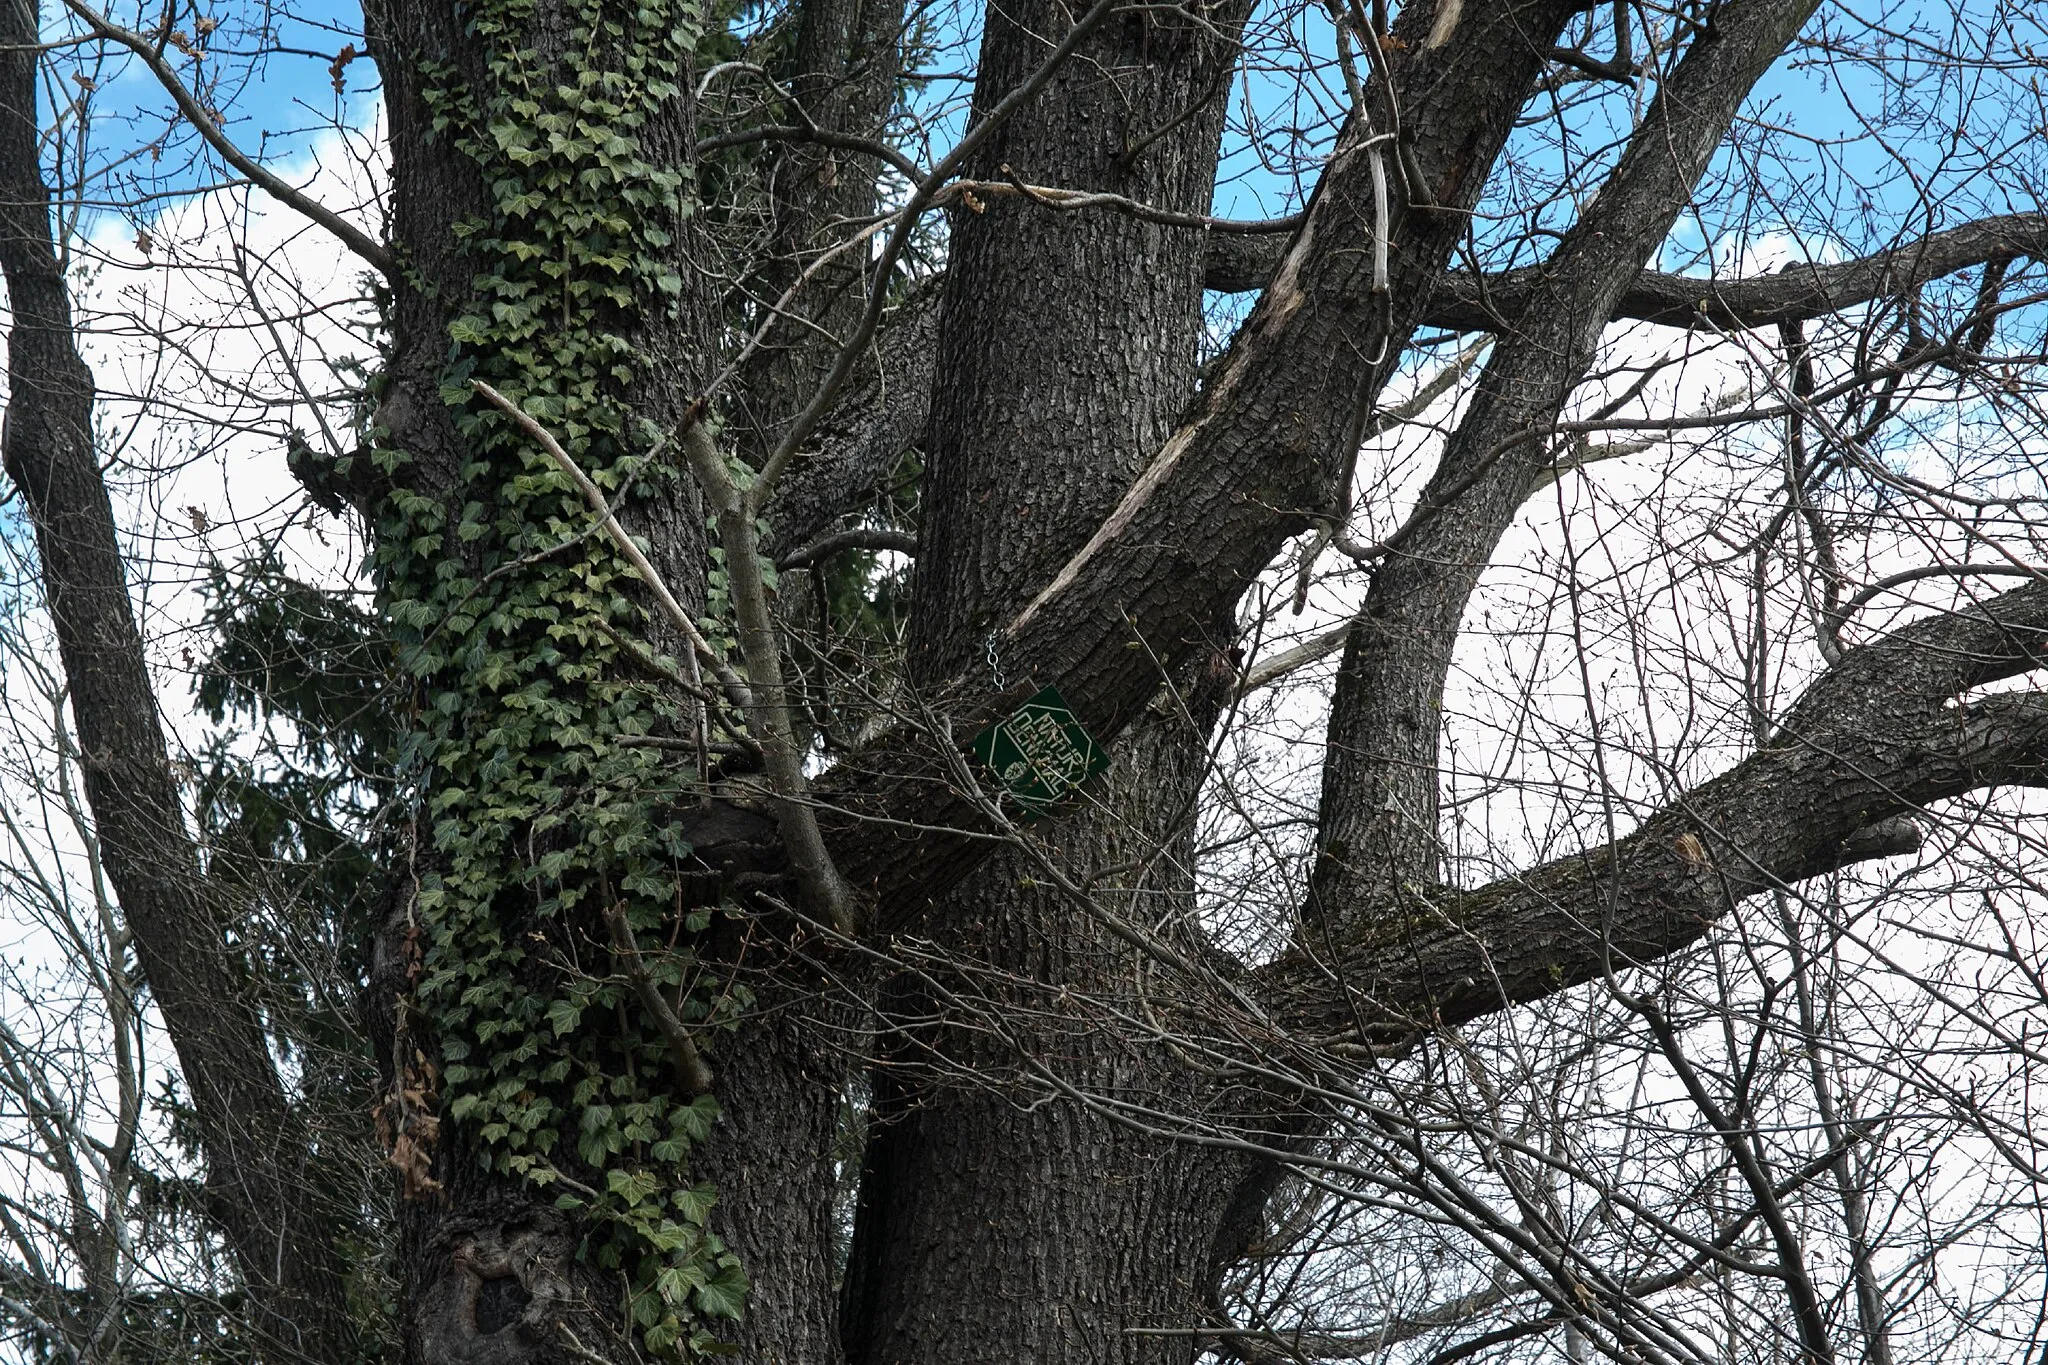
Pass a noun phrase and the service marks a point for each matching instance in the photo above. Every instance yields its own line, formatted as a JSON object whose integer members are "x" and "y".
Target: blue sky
{"x": 275, "y": 85}
{"x": 267, "y": 70}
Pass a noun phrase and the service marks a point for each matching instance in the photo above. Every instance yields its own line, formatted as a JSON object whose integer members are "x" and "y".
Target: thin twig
{"x": 201, "y": 118}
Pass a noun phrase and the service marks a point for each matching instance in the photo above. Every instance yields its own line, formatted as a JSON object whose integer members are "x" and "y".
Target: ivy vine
{"x": 509, "y": 616}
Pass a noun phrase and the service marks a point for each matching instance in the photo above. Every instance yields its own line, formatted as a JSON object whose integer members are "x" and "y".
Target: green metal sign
{"x": 1040, "y": 753}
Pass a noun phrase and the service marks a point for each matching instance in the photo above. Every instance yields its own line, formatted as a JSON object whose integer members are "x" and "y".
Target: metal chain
{"x": 995, "y": 667}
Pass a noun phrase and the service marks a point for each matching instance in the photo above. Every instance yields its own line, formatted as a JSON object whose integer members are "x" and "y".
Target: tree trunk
{"x": 1065, "y": 353}
{"x": 843, "y": 69}
{"x": 493, "y": 1269}
{"x": 263, "y": 1186}
{"x": 1377, "y": 840}
{"x": 1089, "y": 518}
{"x": 999, "y": 1219}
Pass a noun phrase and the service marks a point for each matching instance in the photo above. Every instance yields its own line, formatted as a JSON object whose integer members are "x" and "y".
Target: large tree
{"x": 724, "y": 998}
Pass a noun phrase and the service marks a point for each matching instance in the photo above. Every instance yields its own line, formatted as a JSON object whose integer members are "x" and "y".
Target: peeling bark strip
{"x": 259, "y": 1166}
{"x": 1264, "y": 450}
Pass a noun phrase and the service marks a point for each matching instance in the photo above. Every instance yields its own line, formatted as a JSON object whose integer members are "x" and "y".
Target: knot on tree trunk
{"x": 508, "y": 1294}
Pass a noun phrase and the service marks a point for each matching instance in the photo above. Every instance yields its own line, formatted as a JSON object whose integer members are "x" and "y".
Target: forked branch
{"x": 763, "y": 698}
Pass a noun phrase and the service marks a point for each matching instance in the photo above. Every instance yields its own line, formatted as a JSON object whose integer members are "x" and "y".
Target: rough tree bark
{"x": 1377, "y": 837}
{"x": 784, "y": 1105}
{"x": 1065, "y": 351}
{"x": 1140, "y": 1227}
{"x": 1261, "y": 452}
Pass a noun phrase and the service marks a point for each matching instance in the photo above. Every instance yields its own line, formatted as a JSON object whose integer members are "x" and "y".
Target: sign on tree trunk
{"x": 1040, "y": 754}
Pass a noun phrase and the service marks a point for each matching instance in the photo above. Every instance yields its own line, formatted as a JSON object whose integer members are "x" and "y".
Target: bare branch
{"x": 255, "y": 1147}
{"x": 691, "y": 1068}
{"x": 1055, "y": 198}
{"x": 1871, "y": 743}
{"x": 921, "y": 198}
{"x": 202, "y": 119}
{"x": 769, "y": 717}
{"x": 1300, "y": 656}
{"x": 1800, "y": 291}
{"x": 859, "y": 538}
{"x": 867, "y": 433}
{"x": 736, "y": 689}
